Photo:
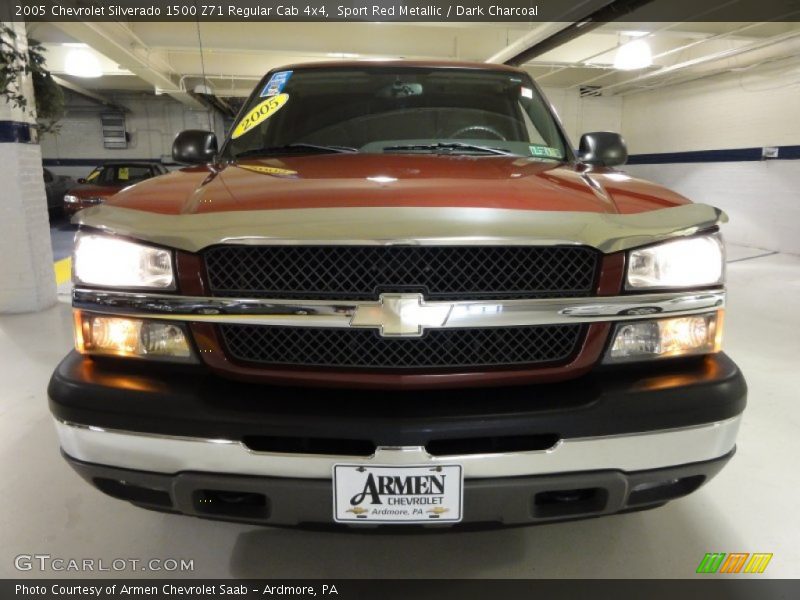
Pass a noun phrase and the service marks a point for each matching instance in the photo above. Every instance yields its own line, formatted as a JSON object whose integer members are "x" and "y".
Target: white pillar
{"x": 27, "y": 282}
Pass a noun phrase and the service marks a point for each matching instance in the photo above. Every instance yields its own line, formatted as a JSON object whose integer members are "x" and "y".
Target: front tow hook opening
{"x": 231, "y": 503}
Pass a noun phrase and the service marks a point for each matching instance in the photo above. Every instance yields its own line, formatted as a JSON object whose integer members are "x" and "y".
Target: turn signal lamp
{"x": 137, "y": 338}
{"x": 665, "y": 338}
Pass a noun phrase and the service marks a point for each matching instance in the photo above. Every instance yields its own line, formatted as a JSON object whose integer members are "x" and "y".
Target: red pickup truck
{"x": 396, "y": 295}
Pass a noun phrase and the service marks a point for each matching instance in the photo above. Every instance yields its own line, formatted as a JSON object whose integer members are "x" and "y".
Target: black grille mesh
{"x": 438, "y": 272}
{"x": 365, "y": 348}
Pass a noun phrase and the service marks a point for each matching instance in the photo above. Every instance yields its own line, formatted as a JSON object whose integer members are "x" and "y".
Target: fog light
{"x": 138, "y": 338}
{"x": 664, "y": 338}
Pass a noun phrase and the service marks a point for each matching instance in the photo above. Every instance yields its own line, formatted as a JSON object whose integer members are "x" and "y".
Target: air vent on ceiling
{"x": 591, "y": 90}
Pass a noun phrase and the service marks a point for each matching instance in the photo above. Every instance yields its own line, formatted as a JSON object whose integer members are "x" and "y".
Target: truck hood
{"x": 379, "y": 180}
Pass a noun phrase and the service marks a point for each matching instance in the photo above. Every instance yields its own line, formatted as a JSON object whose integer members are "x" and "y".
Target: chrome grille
{"x": 437, "y": 272}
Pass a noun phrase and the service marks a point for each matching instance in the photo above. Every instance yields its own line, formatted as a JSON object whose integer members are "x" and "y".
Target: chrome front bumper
{"x": 175, "y": 454}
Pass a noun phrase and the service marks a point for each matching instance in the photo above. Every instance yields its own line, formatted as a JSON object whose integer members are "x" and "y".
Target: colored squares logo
{"x": 735, "y": 562}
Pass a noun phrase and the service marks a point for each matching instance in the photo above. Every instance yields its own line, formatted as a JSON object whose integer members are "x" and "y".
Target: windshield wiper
{"x": 448, "y": 147}
{"x": 294, "y": 148}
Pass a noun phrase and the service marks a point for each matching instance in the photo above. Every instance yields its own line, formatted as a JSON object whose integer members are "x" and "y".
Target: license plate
{"x": 397, "y": 494}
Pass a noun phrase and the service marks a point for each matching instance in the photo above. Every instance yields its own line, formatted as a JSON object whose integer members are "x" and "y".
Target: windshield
{"x": 396, "y": 110}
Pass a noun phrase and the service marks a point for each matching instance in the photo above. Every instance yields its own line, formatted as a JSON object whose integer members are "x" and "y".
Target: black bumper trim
{"x": 194, "y": 403}
{"x": 308, "y": 502}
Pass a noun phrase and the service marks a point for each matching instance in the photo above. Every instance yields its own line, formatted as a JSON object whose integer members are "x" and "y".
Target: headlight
{"x": 665, "y": 338}
{"x": 70, "y": 199}
{"x": 107, "y": 261}
{"x": 694, "y": 261}
{"x": 137, "y": 338}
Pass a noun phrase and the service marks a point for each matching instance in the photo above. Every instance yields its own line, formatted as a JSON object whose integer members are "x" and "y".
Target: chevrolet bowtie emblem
{"x": 438, "y": 510}
{"x": 357, "y": 510}
{"x": 401, "y": 315}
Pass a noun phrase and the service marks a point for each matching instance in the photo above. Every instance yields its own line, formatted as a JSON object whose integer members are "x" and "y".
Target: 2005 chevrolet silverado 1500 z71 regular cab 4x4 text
{"x": 396, "y": 295}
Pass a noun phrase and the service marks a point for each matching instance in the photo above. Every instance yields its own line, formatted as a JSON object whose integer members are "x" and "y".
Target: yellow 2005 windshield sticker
{"x": 259, "y": 114}
{"x": 275, "y": 171}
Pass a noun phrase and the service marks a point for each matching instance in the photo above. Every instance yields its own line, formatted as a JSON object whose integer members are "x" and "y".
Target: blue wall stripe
{"x": 704, "y": 156}
{"x": 16, "y": 132}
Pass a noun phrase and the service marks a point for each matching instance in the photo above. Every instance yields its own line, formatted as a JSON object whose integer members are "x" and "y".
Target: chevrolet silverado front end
{"x": 395, "y": 295}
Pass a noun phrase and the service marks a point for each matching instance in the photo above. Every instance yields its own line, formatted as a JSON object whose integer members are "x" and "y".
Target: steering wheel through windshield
{"x": 482, "y": 129}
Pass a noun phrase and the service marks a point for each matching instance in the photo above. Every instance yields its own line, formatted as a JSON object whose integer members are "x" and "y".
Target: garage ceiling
{"x": 153, "y": 56}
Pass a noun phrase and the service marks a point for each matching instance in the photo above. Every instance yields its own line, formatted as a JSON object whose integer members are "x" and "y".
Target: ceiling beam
{"x": 575, "y": 13}
{"x": 708, "y": 59}
{"x": 611, "y": 11}
{"x": 74, "y": 87}
{"x": 711, "y": 38}
{"x": 787, "y": 61}
{"x": 585, "y": 62}
{"x": 118, "y": 43}
{"x": 533, "y": 37}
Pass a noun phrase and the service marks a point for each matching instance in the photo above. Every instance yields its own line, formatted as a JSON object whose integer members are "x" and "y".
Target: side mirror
{"x": 194, "y": 146}
{"x": 603, "y": 149}
{"x": 82, "y": 180}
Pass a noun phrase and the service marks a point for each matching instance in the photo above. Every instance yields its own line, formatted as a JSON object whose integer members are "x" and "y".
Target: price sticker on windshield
{"x": 276, "y": 84}
{"x": 259, "y": 114}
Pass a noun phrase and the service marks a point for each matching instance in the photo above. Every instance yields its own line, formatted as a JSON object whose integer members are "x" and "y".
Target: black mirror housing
{"x": 194, "y": 146}
{"x": 603, "y": 149}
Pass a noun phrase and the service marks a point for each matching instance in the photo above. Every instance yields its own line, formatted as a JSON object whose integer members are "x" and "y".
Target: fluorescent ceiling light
{"x": 633, "y": 55}
{"x": 82, "y": 63}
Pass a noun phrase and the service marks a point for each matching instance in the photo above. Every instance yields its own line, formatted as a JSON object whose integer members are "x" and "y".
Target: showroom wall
{"x": 152, "y": 122}
{"x": 704, "y": 139}
{"x": 582, "y": 114}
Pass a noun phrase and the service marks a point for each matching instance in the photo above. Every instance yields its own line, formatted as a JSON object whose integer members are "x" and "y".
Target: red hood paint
{"x": 369, "y": 180}
{"x": 89, "y": 190}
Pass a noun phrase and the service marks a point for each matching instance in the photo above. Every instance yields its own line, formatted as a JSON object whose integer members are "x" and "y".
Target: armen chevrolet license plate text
{"x": 397, "y": 494}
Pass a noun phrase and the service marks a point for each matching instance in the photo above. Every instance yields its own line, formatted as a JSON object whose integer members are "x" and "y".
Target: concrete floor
{"x": 750, "y": 507}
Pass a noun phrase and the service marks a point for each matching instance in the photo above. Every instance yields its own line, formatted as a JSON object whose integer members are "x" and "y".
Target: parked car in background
{"x": 55, "y": 187}
{"x": 107, "y": 180}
